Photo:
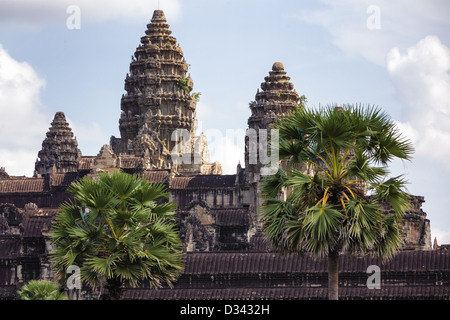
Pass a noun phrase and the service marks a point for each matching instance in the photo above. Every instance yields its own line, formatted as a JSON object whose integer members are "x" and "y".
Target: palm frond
{"x": 108, "y": 228}
{"x": 166, "y": 210}
{"x": 364, "y": 223}
{"x": 41, "y": 290}
{"x": 119, "y": 184}
{"x": 391, "y": 191}
{"x": 148, "y": 193}
{"x": 390, "y": 238}
{"x": 272, "y": 185}
{"x": 322, "y": 222}
{"x": 305, "y": 190}
{"x": 104, "y": 266}
{"x": 275, "y": 214}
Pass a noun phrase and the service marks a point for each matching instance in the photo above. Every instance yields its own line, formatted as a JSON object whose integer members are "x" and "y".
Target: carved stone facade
{"x": 24, "y": 246}
{"x": 59, "y": 149}
{"x": 158, "y": 102}
{"x": 416, "y": 227}
{"x": 217, "y": 213}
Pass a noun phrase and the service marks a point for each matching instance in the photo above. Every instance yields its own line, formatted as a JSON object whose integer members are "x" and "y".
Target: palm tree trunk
{"x": 333, "y": 275}
{"x": 115, "y": 289}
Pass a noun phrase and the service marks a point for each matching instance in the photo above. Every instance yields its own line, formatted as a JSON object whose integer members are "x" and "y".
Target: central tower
{"x": 158, "y": 101}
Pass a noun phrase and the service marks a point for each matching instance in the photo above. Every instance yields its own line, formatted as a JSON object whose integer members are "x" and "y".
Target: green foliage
{"x": 302, "y": 101}
{"x": 196, "y": 96}
{"x": 41, "y": 290}
{"x": 183, "y": 84}
{"x": 336, "y": 155}
{"x": 118, "y": 229}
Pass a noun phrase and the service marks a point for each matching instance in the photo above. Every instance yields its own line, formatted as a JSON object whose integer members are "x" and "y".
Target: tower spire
{"x": 59, "y": 148}
{"x": 277, "y": 99}
{"x": 158, "y": 97}
{"x": 158, "y": 87}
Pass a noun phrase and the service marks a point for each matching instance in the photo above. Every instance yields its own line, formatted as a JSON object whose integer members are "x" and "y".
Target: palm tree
{"x": 41, "y": 290}
{"x": 120, "y": 231}
{"x": 334, "y": 158}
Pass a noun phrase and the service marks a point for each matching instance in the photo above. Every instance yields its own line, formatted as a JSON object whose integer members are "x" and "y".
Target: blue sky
{"x": 393, "y": 54}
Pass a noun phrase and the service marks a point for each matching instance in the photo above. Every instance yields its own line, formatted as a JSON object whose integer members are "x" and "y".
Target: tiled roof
{"x": 130, "y": 162}
{"x": 25, "y": 185}
{"x": 260, "y": 275}
{"x": 34, "y": 225}
{"x": 22, "y": 185}
{"x": 156, "y": 176}
{"x": 203, "y": 182}
{"x": 290, "y": 293}
{"x": 246, "y": 262}
{"x": 249, "y": 262}
{"x": 259, "y": 243}
{"x": 231, "y": 217}
{"x": 63, "y": 179}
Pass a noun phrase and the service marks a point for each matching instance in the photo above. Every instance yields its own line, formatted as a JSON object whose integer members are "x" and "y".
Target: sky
{"x": 73, "y": 56}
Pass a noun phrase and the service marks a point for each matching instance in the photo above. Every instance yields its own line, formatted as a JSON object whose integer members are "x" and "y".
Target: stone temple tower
{"x": 276, "y": 100}
{"x": 158, "y": 101}
{"x": 59, "y": 149}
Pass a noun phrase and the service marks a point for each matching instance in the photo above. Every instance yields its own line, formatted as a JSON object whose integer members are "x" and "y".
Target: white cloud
{"x": 400, "y": 22}
{"x": 35, "y": 14}
{"x": 22, "y": 124}
{"x": 422, "y": 82}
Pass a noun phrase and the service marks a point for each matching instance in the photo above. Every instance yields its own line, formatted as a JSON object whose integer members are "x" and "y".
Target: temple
{"x": 227, "y": 256}
{"x": 158, "y": 108}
